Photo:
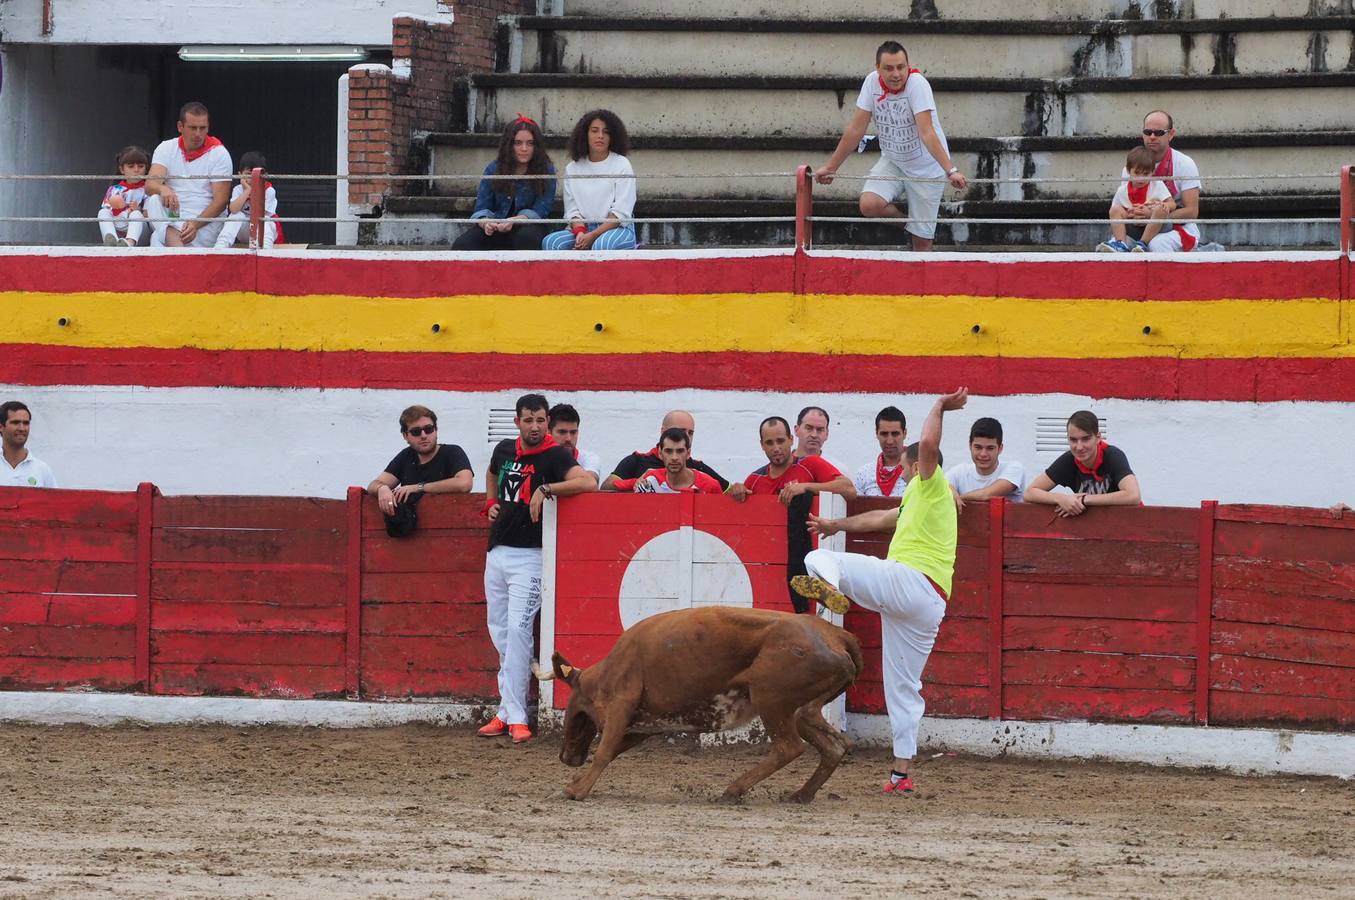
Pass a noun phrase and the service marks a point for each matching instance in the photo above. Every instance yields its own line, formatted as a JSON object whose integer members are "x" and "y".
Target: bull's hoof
{"x": 730, "y": 798}
{"x": 800, "y": 796}
{"x": 573, "y": 793}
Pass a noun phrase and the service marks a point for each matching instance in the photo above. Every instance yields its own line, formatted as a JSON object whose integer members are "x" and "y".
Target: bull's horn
{"x": 540, "y": 675}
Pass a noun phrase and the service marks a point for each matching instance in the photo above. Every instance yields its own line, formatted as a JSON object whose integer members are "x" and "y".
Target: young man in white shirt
{"x": 912, "y": 145}
{"x": 21, "y": 468}
{"x": 563, "y": 421}
{"x": 884, "y": 476}
{"x": 988, "y": 475}
{"x": 189, "y": 184}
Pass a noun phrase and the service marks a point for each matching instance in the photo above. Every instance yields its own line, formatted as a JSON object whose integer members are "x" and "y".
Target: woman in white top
{"x": 599, "y": 209}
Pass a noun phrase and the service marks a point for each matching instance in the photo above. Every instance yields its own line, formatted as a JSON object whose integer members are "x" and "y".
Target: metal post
{"x": 804, "y": 207}
{"x": 1347, "y": 208}
{"x": 256, "y": 208}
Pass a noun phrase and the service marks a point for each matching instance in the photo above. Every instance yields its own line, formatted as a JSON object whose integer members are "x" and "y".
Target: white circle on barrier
{"x": 655, "y": 580}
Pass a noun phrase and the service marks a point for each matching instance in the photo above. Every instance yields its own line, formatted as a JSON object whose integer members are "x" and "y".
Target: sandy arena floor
{"x": 420, "y": 811}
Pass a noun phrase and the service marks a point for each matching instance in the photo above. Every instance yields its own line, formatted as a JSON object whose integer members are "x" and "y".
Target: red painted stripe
{"x": 1065, "y": 280}
{"x": 1151, "y": 378}
{"x": 1054, "y": 279}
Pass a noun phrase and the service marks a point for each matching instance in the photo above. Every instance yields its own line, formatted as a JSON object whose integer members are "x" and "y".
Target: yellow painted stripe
{"x": 824, "y": 324}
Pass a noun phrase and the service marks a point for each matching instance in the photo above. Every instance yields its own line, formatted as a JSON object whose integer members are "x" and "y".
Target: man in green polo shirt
{"x": 908, "y": 589}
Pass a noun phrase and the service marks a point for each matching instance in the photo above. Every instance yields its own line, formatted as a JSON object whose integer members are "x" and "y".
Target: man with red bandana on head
{"x": 189, "y": 184}
{"x": 522, "y": 475}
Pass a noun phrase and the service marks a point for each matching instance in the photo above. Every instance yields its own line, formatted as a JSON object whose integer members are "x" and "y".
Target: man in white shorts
{"x": 912, "y": 145}
{"x": 1182, "y": 178}
{"x": 189, "y": 184}
{"x": 908, "y": 588}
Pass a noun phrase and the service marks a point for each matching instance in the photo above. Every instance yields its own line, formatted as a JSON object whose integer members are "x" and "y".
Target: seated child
{"x": 236, "y": 228}
{"x": 1141, "y": 191}
{"x": 121, "y": 218}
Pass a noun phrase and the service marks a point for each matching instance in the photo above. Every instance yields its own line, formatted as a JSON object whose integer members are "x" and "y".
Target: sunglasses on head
{"x": 419, "y": 431}
{"x": 1154, "y": 132}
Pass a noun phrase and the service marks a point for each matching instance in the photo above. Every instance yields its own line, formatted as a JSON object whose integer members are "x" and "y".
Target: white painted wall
{"x": 361, "y": 22}
{"x": 65, "y": 110}
{"x": 316, "y": 443}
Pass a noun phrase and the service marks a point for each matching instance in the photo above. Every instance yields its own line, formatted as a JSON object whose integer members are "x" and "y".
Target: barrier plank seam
{"x": 1204, "y": 611}
{"x": 996, "y": 545}
{"x": 353, "y": 594}
{"x": 145, "y": 515}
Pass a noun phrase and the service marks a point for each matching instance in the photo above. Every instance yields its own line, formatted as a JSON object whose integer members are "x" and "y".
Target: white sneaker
{"x": 111, "y": 240}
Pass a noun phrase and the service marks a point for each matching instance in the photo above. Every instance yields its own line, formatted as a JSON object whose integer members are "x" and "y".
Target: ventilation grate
{"x": 501, "y": 425}
{"x": 1051, "y": 433}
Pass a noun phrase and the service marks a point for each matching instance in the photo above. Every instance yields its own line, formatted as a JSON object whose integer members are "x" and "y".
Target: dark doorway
{"x": 289, "y": 111}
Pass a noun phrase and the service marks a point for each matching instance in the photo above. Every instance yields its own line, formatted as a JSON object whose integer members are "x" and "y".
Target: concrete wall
{"x": 315, "y": 443}
{"x": 364, "y": 22}
{"x": 67, "y": 110}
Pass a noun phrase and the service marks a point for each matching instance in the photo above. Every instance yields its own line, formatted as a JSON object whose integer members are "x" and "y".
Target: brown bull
{"x": 707, "y": 670}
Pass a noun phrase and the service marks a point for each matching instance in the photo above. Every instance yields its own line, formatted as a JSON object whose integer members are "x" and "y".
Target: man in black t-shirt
{"x": 424, "y": 467}
{"x": 642, "y": 461}
{"x": 523, "y": 474}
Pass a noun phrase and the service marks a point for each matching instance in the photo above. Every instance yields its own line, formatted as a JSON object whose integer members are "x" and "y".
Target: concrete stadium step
{"x": 940, "y": 47}
{"x": 1033, "y": 231}
{"x": 815, "y": 106}
{"x": 893, "y": 10}
{"x": 1251, "y": 155}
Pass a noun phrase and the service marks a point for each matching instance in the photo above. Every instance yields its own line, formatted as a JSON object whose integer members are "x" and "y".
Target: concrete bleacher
{"x": 1037, "y": 91}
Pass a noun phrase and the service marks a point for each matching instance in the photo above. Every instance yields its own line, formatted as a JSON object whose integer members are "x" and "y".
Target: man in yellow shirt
{"x": 908, "y": 589}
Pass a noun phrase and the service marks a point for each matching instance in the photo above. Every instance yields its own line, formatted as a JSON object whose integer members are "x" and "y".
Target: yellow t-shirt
{"x": 927, "y": 530}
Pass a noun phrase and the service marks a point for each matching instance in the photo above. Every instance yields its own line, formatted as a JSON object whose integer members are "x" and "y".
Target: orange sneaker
{"x": 901, "y": 788}
{"x": 520, "y": 734}
{"x": 494, "y": 728}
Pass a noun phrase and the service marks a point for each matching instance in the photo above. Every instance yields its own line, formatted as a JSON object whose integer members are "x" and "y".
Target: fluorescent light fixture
{"x": 267, "y": 53}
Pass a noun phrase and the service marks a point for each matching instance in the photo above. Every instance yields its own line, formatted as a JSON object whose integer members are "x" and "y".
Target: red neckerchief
{"x": 575, "y": 451}
{"x": 546, "y": 443}
{"x": 887, "y": 91}
{"x": 1165, "y": 168}
{"x": 884, "y": 479}
{"x": 207, "y": 145}
{"x": 1139, "y": 195}
{"x": 1100, "y": 456}
{"x": 132, "y": 185}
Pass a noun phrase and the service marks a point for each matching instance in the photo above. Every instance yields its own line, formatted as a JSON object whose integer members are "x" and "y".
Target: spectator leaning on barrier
{"x": 1096, "y": 473}
{"x": 189, "y": 182}
{"x": 236, "y": 229}
{"x": 599, "y": 208}
{"x": 1182, "y": 179}
{"x": 884, "y": 476}
{"x": 909, "y": 588}
{"x": 987, "y": 474}
{"x": 1140, "y": 192}
{"x": 912, "y": 145}
{"x": 811, "y": 433}
{"x": 504, "y": 209}
{"x": 786, "y": 475}
{"x": 424, "y": 467}
{"x": 523, "y": 474}
{"x": 563, "y": 421}
{"x": 641, "y": 461}
{"x": 121, "y": 215}
{"x": 22, "y": 468}
{"x": 675, "y": 445}
{"x": 1338, "y": 510}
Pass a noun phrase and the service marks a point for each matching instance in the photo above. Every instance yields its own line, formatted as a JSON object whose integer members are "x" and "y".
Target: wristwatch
{"x": 952, "y": 170}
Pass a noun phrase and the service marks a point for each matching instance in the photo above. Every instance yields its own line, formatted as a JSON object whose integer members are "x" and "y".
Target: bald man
{"x": 641, "y": 461}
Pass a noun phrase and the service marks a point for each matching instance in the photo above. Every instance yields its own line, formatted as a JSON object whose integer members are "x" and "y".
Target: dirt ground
{"x": 422, "y": 811}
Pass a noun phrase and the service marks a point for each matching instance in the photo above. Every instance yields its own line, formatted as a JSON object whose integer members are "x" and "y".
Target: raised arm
{"x": 929, "y": 446}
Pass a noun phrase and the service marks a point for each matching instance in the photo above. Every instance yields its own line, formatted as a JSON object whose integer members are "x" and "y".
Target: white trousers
{"x": 910, "y": 613}
{"x": 237, "y": 229}
{"x": 1170, "y": 241}
{"x": 155, "y": 209}
{"x": 513, "y": 598}
{"x": 129, "y": 224}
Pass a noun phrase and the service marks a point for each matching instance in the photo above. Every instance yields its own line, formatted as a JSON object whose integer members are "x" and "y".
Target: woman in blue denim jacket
{"x": 504, "y": 207}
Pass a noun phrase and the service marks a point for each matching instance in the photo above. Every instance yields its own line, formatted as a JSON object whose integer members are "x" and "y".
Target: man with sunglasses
{"x": 424, "y": 467}
{"x": 1182, "y": 179}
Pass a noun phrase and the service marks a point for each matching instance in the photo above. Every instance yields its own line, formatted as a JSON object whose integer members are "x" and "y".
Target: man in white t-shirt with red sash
{"x": 1182, "y": 179}
{"x": 189, "y": 184}
{"x": 912, "y": 145}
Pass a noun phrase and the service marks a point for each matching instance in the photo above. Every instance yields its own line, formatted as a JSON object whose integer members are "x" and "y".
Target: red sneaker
{"x": 901, "y": 788}
{"x": 520, "y": 734}
{"x": 494, "y": 728}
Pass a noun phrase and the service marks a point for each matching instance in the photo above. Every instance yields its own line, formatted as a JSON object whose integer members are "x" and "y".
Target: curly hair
{"x": 578, "y": 140}
{"x": 506, "y": 162}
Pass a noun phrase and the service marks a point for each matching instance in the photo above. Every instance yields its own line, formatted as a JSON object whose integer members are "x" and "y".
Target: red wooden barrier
{"x": 1227, "y": 614}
